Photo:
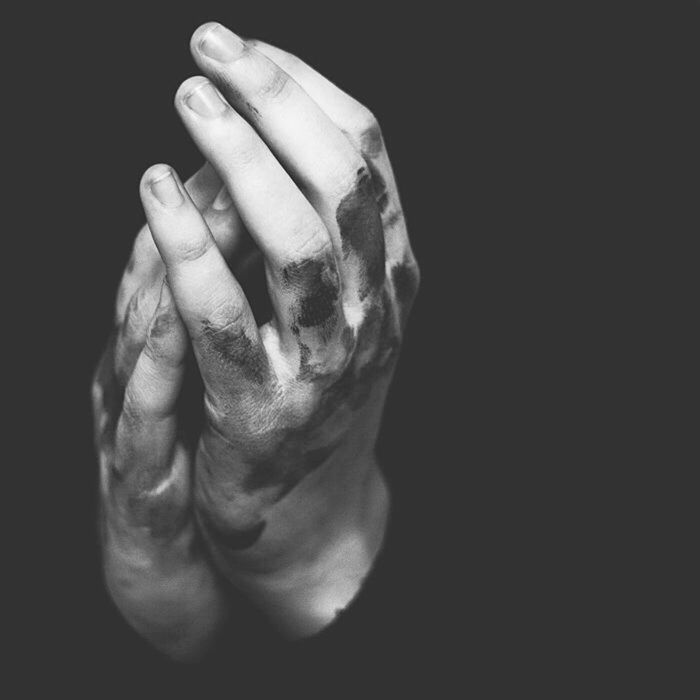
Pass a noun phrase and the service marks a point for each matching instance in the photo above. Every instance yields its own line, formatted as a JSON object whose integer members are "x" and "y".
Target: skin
{"x": 286, "y": 499}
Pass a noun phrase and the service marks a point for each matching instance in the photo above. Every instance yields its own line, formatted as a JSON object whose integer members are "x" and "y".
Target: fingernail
{"x": 166, "y": 190}
{"x": 223, "y": 200}
{"x": 221, "y": 44}
{"x": 206, "y": 100}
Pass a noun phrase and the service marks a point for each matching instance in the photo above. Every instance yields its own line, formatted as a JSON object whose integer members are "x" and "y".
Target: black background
{"x": 511, "y": 135}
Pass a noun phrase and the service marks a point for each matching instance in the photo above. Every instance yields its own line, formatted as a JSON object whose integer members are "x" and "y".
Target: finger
{"x": 143, "y": 276}
{"x": 361, "y": 127}
{"x": 151, "y": 481}
{"x": 216, "y": 313}
{"x": 354, "y": 119}
{"x": 145, "y": 267}
{"x": 151, "y": 395}
{"x": 132, "y": 332}
{"x": 331, "y": 172}
{"x": 303, "y": 279}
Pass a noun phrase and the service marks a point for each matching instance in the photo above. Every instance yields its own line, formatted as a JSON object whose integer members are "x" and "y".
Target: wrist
{"x": 307, "y": 592}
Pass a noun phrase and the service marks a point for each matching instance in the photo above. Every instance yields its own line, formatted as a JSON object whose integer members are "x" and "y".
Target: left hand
{"x": 155, "y": 565}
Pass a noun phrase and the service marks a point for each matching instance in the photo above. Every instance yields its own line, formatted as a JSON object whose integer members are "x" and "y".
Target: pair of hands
{"x": 277, "y": 490}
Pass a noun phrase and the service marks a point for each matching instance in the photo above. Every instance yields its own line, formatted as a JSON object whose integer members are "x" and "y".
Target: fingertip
{"x": 187, "y": 87}
{"x": 161, "y": 182}
{"x": 198, "y": 96}
{"x": 154, "y": 173}
{"x": 200, "y": 34}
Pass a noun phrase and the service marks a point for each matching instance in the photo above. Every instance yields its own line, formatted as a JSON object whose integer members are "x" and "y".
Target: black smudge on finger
{"x": 376, "y": 347}
{"x": 405, "y": 279}
{"x": 300, "y": 451}
{"x": 381, "y": 193}
{"x": 361, "y": 230}
{"x": 233, "y": 347}
{"x": 316, "y": 282}
{"x": 306, "y": 370}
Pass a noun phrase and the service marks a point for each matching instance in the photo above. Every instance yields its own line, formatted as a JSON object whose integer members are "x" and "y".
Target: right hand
{"x": 154, "y": 562}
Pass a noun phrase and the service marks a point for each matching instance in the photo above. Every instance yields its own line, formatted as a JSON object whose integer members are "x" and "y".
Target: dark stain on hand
{"x": 287, "y": 464}
{"x": 295, "y": 453}
{"x": 361, "y": 230}
{"x": 378, "y": 339}
{"x": 162, "y": 323}
{"x": 316, "y": 282}
{"x": 306, "y": 369}
{"x": 381, "y": 193}
{"x": 234, "y": 347}
{"x": 405, "y": 278}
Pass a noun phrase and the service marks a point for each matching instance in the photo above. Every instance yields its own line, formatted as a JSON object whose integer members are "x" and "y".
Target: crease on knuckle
{"x": 193, "y": 250}
{"x": 225, "y": 315}
{"x": 158, "y": 351}
{"x": 276, "y": 85}
{"x": 309, "y": 241}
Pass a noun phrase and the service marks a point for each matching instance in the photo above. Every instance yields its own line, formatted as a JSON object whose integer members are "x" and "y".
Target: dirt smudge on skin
{"x": 405, "y": 279}
{"x": 317, "y": 287}
{"x": 233, "y": 347}
{"x": 361, "y": 231}
{"x": 381, "y": 193}
{"x": 290, "y": 454}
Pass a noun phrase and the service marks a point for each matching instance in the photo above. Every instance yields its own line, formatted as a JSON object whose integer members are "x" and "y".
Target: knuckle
{"x": 135, "y": 316}
{"x": 224, "y": 317}
{"x": 310, "y": 240}
{"x": 354, "y": 179}
{"x": 192, "y": 250}
{"x": 368, "y": 133}
{"x": 135, "y": 302}
{"x": 275, "y": 85}
{"x": 157, "y": 350}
